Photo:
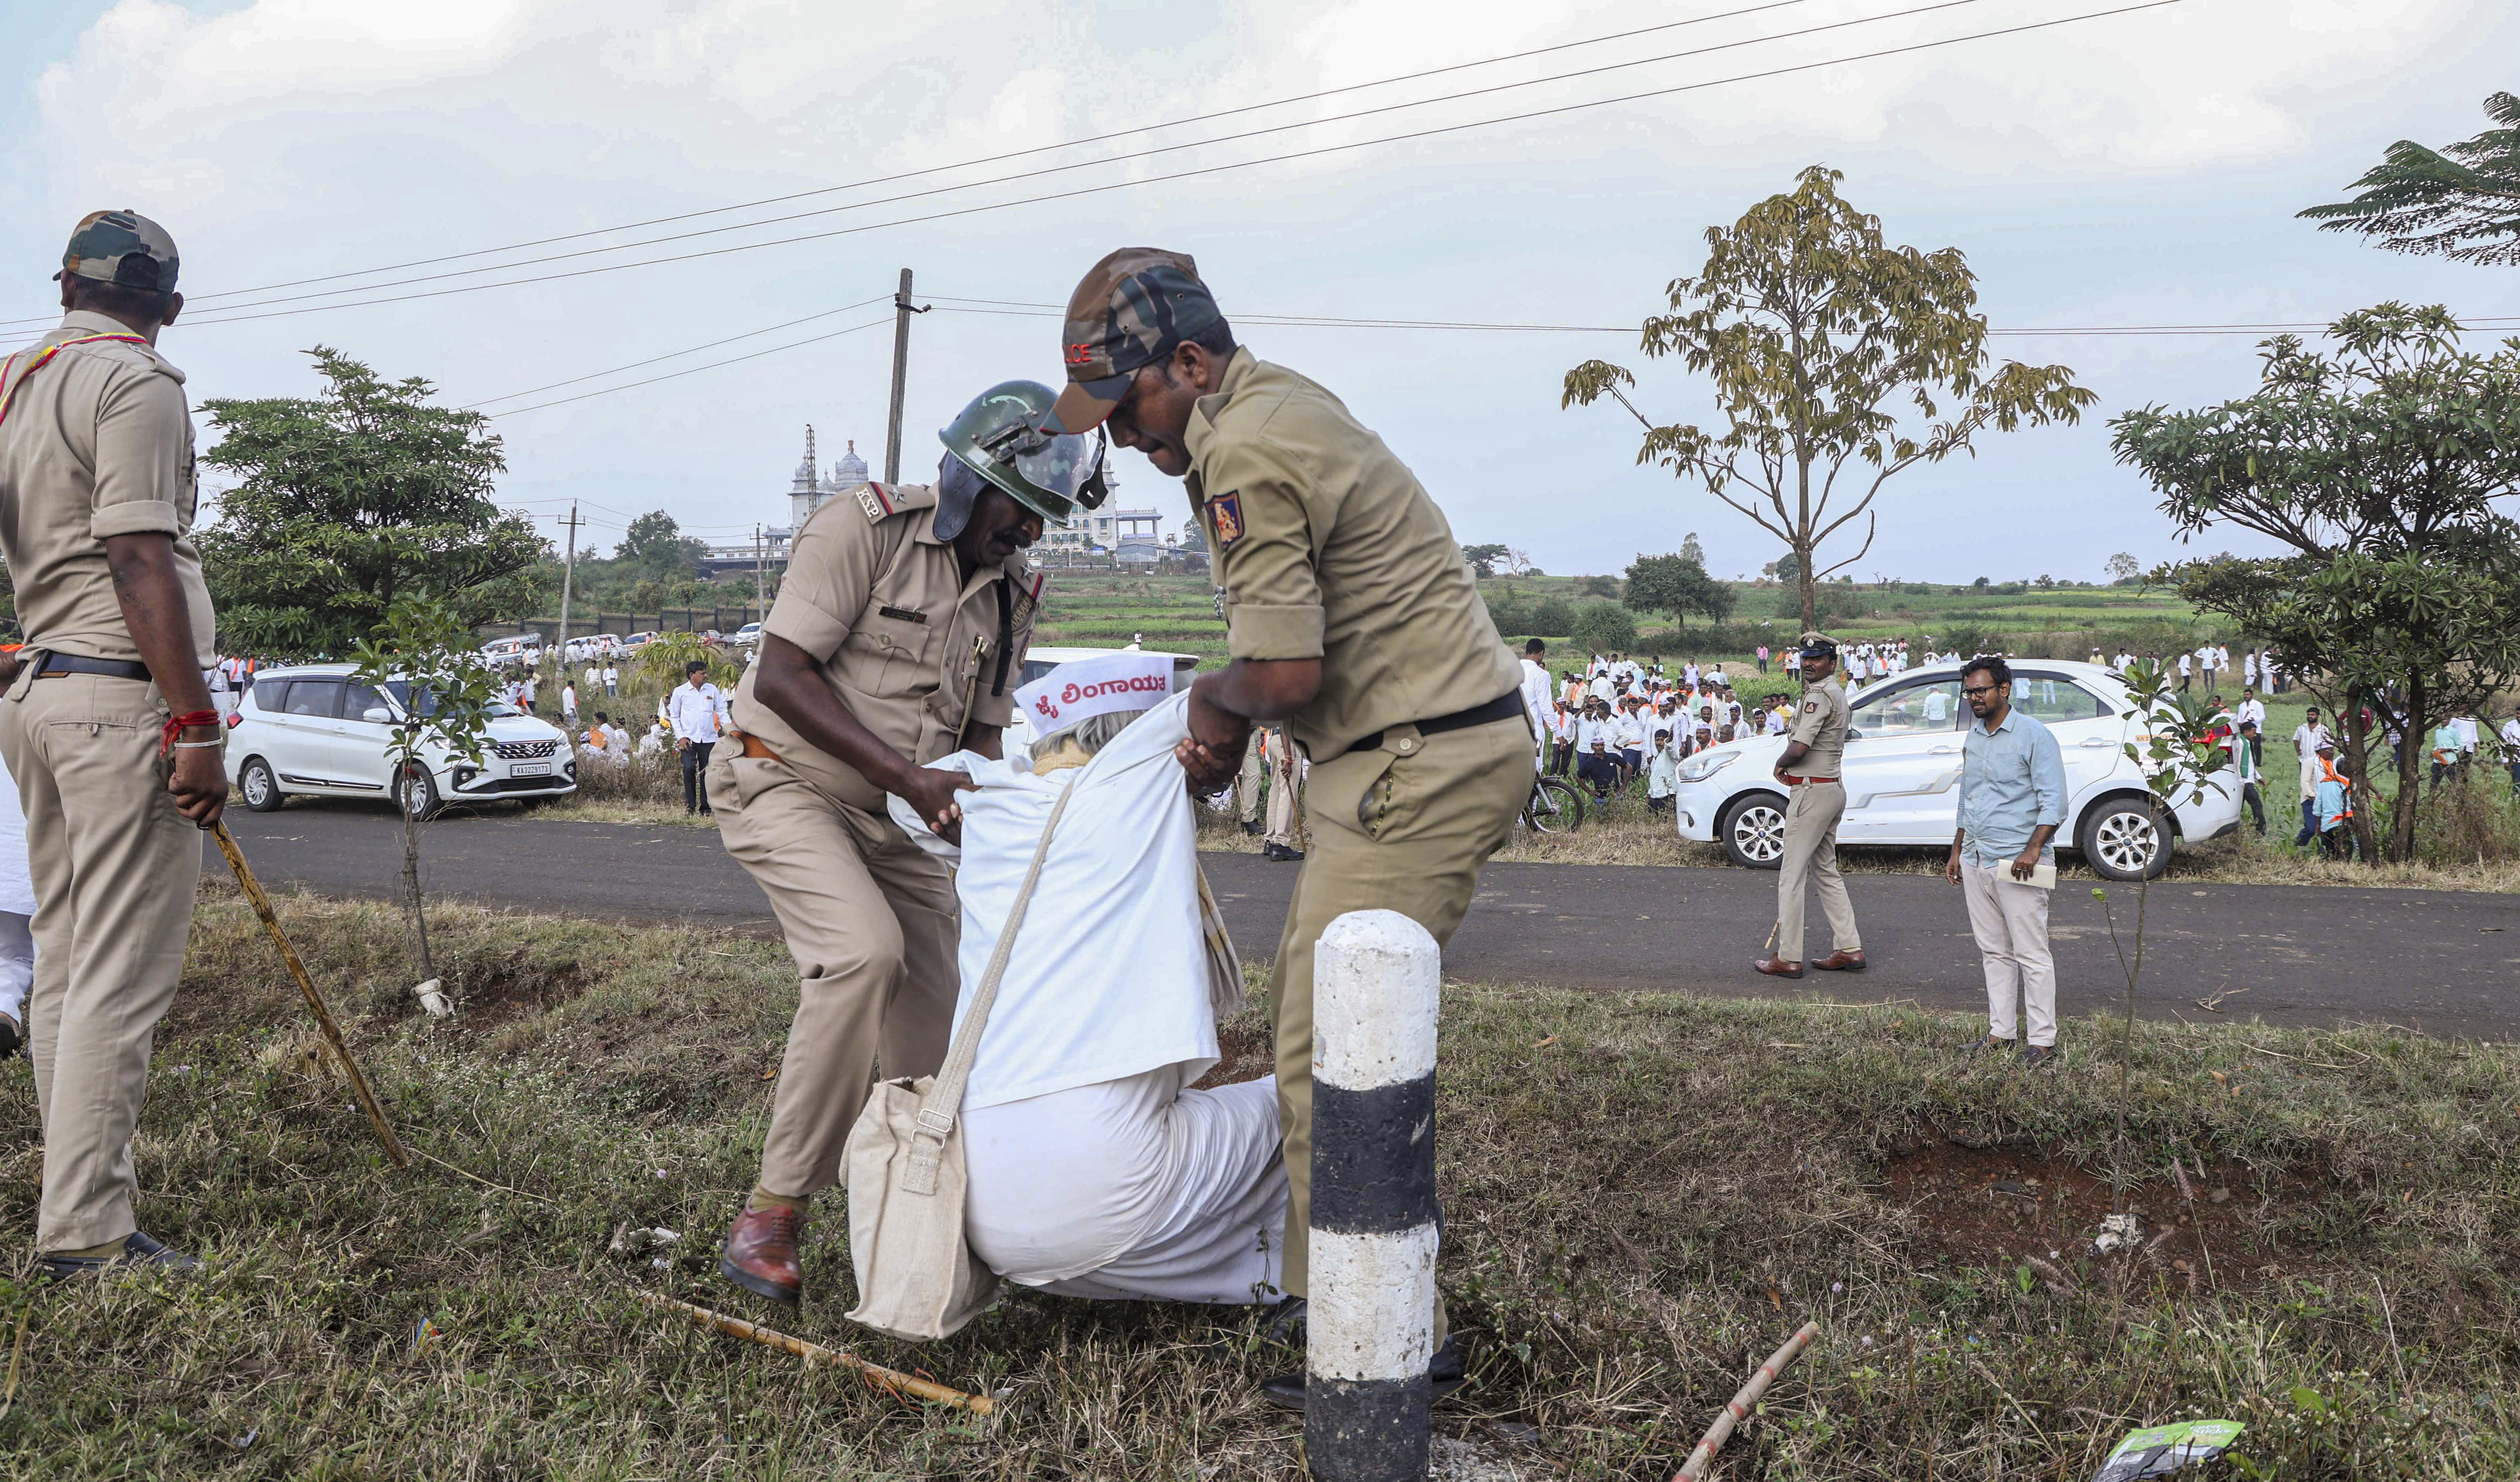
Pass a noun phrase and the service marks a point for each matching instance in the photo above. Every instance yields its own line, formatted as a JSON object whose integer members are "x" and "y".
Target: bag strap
{"x": 943, "y": 1103}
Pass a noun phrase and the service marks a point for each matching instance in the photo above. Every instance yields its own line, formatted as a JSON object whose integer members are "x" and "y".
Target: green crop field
{"x": 1178, "y": 612}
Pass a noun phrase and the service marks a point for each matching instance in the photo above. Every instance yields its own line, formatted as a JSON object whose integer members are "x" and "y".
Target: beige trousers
{"x": 1811, "y": 856}
{"x": 2009, "y": 920}
{"x": 1405, "y": 828}
{"x": 1286, "y": 821}
{"x": 872, "y": 922}
{"x": 1246, "y": 785}
{"x": 115, "y": 871}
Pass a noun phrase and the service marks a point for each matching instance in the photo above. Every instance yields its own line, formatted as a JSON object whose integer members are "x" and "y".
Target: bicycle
{"x": 1557, "y": 805}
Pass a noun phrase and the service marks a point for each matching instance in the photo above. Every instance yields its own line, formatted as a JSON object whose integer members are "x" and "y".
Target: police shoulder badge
{"x": 871, "y": 500}
{"x": 1226, "y": 510}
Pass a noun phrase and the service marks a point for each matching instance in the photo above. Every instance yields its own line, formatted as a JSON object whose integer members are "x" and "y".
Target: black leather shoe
{"x": 1984, "y": 1043}
{"x": 11, "y": 1037}
{"x": 1286, "y": 1323}
{"x": 138, "y": 1251}
{"x": 1445, "y": 1374}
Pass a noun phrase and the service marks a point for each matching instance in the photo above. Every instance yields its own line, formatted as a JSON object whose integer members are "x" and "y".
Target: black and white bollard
{"x": 1376, "y": 983}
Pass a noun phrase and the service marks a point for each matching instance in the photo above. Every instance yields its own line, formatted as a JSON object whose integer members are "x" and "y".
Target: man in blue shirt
{"x": 2013, "y": 801}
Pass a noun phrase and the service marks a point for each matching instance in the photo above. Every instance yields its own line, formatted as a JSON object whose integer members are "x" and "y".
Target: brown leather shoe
{"x": 1778, "y": 967}
{"x": 1841, "y": 963}
{"x": 761, "y": 1254}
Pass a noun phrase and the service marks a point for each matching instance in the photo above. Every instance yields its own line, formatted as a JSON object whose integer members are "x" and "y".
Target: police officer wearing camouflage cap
{"x": 1809, "y": 767}
{"x": 893, "y": 641}
{"x": 107, "y": 723}
{"x": 1350, "y": 616}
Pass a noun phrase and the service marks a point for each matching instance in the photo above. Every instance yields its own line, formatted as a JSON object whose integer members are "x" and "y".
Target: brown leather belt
{"x": 1807, "y": 782}
{"x": 752, "y": 746}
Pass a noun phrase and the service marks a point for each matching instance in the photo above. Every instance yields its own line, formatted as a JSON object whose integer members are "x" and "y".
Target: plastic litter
{"x": 432, "y": 997}
{"x": 2161, "y": 1449}
{"x": 2118, "y": 1231}
{"x": 425, "y": 1334}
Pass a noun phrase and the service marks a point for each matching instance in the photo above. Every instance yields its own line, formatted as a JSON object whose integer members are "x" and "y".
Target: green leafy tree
{"x": 350, "y": 499}
{"x": 2382, "y": 467}
{"x": 2180, "y": 767}
{"x": 423, "y": 657}
{"x": 1678, "y": 586}
{"x": 2462, "y": 201}
{"x": 656, "y": 546}
{"x": 2124, "y": 569}
{"x": 1785, "y": 569}
{"x": 1691, "y": 551}
{"x": 1604, "y": 628}
{"x": 1838, "y": 363}
{"x": 1484, "y": 559}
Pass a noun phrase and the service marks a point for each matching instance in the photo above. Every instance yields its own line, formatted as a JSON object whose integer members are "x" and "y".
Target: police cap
{"x": 124, "y": 248}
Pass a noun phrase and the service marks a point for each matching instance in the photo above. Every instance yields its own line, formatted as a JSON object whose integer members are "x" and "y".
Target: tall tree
{"x": 1826, "y": 345}
{"x": 349, "y": 499}
{"x": 657, "y": 547}
{"x": 1691, "y": 551}
{"x": 1678, "y": 586}
{"x": 1483, "y": 558}
{"x": 2385, "y": 467}
{"x": 2460, "y": 202}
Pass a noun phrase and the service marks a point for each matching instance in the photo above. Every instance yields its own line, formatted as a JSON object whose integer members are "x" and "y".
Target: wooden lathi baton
{"x": 314, "y": 1001}
{"x": 876, "y": 1375}
{"x": 1722, "y": 1430}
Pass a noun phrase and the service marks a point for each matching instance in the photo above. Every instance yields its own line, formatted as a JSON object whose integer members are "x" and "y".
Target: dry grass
{"x": 1641, "y": 1192}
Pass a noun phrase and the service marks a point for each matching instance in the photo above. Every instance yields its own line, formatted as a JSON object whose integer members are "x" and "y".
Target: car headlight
{"x": 1700, "y": 768}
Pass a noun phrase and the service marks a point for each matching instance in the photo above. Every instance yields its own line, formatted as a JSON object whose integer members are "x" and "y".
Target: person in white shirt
{"x": 594, "y": 678}
{"x": 611, "y": 679}
{"x": 2511, "y": 736}
{"x": 569, "y": 703}
{"x": 2250, "y": 711}
{"x": 1602, "y": 689}
{"x": 1662, "y": 776}
{"x": 653, "y": 744}
{"x": 1596, "y": 759}
{"x": 2186, "y": 660}
{"x": 695, "y": 708}
{"x": 1535, "y": 695}
{"x": 1630, "y": 742}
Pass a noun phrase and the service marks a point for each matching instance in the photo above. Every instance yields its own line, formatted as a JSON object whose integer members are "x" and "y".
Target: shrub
{"x": 1603, "y": 627}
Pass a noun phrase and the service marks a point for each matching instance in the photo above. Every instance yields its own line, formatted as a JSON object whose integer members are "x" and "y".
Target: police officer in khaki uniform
{"x": 107, "y": 726}
{"x": 1809, "y": 768}
{"x": 895, "y": 639}
{"x": 1350, "y": 616}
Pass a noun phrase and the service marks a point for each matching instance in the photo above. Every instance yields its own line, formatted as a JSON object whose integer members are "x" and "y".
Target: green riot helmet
{"x": 1007, "y": 437}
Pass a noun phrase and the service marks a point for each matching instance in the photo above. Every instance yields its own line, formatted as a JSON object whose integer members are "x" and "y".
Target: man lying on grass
{"x": 1093, "y": 1171}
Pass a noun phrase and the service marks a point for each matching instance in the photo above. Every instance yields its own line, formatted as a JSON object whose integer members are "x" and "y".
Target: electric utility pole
{"x": 902, "y": 309}
{"x": 758, "y": 600}
{"x": 567, "y": 571}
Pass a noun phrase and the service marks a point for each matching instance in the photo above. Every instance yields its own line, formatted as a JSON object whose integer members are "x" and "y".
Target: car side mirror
{"x": 1854, "y": 735}
{"x": 376, "y": 715}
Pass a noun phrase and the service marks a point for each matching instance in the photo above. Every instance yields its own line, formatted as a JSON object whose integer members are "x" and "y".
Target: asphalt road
{"x": 2443, "y": 961}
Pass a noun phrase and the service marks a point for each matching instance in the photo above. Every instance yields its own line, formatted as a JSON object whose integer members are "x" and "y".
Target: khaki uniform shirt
{"x": 1821, "y": 725}
{"x": 902, "y": 638}
{"x": 1327, "y": 547}
{"x": 95, "y": 442}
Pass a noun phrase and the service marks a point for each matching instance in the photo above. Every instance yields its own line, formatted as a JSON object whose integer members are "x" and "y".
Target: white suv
{"x": 315, "y": 729}
{"x": 1902, "y": 773}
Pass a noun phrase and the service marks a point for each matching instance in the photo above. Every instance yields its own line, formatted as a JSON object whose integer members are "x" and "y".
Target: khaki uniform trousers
{"x": 1404, "y": 828}
{"x": 1811, "y": 856}
{"x": 872, "y": 922}
{"x": 1246, "y": 786}
{"x": 116, "y": 867}
{"x": 1285, "y": 823}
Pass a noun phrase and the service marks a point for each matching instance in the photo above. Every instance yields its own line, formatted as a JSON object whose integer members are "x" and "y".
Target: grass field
{"x": 1643, "y": 1194}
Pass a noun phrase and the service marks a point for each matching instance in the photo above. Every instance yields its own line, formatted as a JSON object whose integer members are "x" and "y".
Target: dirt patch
{"x": 2007, "y": 1206}
{"x": 1241, "y": 1055}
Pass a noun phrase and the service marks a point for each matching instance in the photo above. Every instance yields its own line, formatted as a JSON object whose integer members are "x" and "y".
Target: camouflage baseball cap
{"x": 1130, "y": 310}
{"x": 122, "y": 247}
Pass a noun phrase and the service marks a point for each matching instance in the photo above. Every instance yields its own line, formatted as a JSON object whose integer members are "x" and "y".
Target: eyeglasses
{"x": 1981, "y": 689}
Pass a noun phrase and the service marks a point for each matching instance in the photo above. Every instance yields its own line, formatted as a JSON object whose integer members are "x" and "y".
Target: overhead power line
{"x": 673, "y": 354}
{"x": 1073, "y": 165}
{"x": 1321, "y": 150}
{"x": 1039, "y": 149}
{"x": 515, "y": 411}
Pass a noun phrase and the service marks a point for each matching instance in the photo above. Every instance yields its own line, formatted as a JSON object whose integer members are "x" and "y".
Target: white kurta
{"x": 1093, "y": 1173}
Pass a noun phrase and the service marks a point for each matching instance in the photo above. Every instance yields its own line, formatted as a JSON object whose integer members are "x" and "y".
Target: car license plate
{"x": 530, "y": 769}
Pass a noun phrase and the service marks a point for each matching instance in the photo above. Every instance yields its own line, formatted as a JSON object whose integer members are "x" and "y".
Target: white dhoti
{"x": 1131, "y": 1190}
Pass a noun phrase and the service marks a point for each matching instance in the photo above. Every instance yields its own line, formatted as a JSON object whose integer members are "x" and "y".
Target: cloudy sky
{"x": 2135, "y": 169}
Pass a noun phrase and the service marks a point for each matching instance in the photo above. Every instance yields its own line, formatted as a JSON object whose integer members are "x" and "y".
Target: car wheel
{"x": 1752, "y": 830}
{"x": 417, "y": 793}
{"x": 261, "y": 789}
{"x": 2125, "y": 839}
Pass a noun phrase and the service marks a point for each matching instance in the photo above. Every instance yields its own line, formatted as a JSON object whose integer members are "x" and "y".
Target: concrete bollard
{"x": 1376, "y": 983}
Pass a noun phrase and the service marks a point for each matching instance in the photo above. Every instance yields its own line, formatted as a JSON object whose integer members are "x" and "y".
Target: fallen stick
{"x": 814, "y": 1353}
{"x": 1722, "y": 1430}
{"x": 305, "y": 985}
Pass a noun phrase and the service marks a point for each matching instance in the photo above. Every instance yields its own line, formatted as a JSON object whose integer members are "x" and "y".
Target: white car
{"x": 1038, "y": 662}
{"x": 1902, "y": 773}
{"x": 314, "y": 730}
{"x": 746, "y": 636}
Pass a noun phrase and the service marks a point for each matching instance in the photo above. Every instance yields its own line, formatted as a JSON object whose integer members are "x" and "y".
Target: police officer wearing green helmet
{"x": 895, "y": 639}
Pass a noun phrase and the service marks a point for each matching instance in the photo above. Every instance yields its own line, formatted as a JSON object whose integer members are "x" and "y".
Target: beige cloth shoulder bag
{"x": 917, "y": 1275}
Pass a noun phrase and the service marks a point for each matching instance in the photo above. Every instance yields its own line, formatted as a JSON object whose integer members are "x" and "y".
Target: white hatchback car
{"x": 314, "y": 730}
{"x": 1902, "y": 773}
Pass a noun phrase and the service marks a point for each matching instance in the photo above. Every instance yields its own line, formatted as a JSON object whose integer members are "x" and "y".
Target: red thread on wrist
{"x": 175, "y": 726}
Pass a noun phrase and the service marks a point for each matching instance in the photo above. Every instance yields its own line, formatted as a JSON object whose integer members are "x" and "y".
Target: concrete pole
{"x": 568, "y": 573}
{"x": 902, "y": 309}
{"x": 1371, "y": 1330}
